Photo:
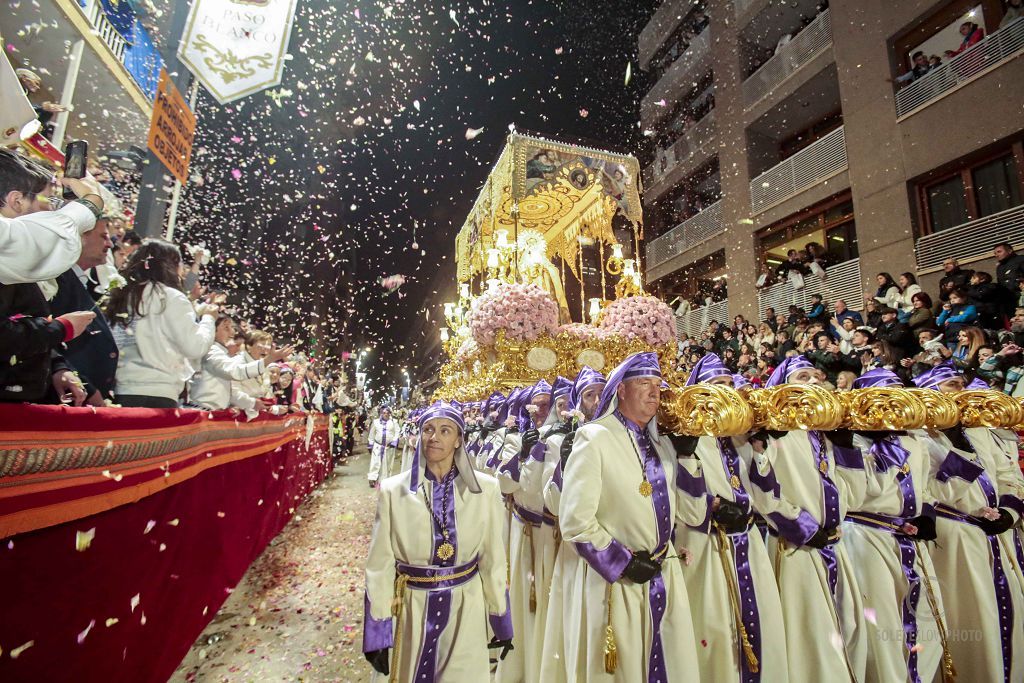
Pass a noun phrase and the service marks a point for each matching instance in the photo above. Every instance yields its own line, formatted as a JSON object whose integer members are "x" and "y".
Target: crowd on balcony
{"x": 93, "y": 315}
{"x": 974, "y": 319}
{"x": 802, "y": 22}
{"x": 679, "y": 42}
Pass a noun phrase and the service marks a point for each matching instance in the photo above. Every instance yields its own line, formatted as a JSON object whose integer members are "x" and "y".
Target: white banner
{"x": 237, "y": 47}
{"x": 17, "y": 118}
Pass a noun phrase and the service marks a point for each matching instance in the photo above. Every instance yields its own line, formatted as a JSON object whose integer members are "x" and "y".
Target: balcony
{"x": 808, "y": 167}
{"x": 970, "y": 241}
{"x": 140, "y": 59}
{"x": 686, "y": 235}
{"x": 677, "y": 79}
{"x": 994, "y": 50}
{"x": 842, "y": 281}
{"x": 696, "y": 320}
{"x": 791, "y": 57}
{"x": 681, "y": 158}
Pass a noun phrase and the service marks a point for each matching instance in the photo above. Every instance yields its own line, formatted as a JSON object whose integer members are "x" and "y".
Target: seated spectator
{"x": 36, "y": 245}
{"x": 908, "y": 287}
{"x": 795, "y": 315}
{"x": 989, "y": 299}
{"x": 784, "y": 347}
{"x": 727, "y": 342}
{"x": 94, "y": 354}
{"x": 895, "y": 333}
{"x": 871, "y": 314}
{"x": 818, "y": 312}
{"x": 155, "y": 328}
{"x": 216, "y": 385}
{"x": 862, "y": 341}
{"x": 1009, "y": 267}
{"x": 765, "y": 335}
{"x": 888, "y": 292}
{"x": 969, "y": 341}
{"x": 844, "y": 333}
{"x": 956, "y": 314}
{"x": 932, "y": 352}
{"x": 883, "y": 355}
{"x": 921, "y": 316}
{"x": 844, "y": 380}
{"x": 841, "y": 313}
{"x": 769, "y": 319}
{"x": 992, "y": 364}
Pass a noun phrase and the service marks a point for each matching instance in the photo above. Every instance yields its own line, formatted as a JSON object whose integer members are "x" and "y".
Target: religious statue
{"x": 536, "y": 268}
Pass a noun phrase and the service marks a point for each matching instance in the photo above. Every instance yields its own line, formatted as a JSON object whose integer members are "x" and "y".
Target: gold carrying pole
{"x": 734, "y": 598}
{"x": 604, "y": 284}
{"x": 583, "y": 297}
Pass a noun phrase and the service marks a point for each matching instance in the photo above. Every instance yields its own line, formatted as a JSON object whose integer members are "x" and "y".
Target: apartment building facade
{"x": 780, "y": 124}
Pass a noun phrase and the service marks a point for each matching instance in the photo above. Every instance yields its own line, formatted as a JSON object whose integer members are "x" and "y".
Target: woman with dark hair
{"x": 888, "y": 292}
{"x": 972, "y": 35}
{"x": 921, "y": 315}
{"x": 905, "y": 302}
{"x": 154, "y": 325}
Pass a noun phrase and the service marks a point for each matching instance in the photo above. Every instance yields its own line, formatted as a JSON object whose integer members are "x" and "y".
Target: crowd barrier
{"x": 123, "y": 530}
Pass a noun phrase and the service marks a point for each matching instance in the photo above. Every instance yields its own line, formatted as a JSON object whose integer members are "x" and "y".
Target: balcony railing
{"x": 808, "y": 44}
{"x": 842, "y": 281}
{"x": 697, "y": 320}
{"x": 104, "y": 29}
{"x": 682, "y": 149}
{"x": 810, "y": 166}
{"x": 686, "y": 235}
{"x": 970, "y": 240}
{"x": 141, "y": 59}
{"x": 993, "y": 50}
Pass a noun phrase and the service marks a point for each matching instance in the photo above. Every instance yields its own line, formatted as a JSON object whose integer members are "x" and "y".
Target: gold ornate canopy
{"x": 562, "y": 191}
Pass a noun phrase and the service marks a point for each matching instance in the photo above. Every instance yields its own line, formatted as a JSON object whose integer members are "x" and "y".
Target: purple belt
{"x": 528, "y": 516}
{"x": 437, "y": 578}
{"x": 908, "y": 556}
{"x": 999, "y": 582}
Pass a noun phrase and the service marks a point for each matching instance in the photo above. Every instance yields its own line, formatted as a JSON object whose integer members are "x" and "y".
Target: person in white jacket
{"x": 216, "y": 387}
{"x": 156, "y": 328}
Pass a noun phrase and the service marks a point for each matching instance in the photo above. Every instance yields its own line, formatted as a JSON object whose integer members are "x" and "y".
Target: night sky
{"x": 385, "y": 125}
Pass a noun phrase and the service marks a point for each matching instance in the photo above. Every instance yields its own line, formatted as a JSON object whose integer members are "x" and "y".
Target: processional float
{"x": 550, "y": 280}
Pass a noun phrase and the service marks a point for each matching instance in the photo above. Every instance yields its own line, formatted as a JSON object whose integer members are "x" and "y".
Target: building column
{"x": 67, "y": 94}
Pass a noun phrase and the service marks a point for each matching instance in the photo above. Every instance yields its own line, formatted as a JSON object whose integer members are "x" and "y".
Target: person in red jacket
{"x": 972, "y": 34}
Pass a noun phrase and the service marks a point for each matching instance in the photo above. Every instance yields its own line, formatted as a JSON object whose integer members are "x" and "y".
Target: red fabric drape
{"x": 177, "y": 553}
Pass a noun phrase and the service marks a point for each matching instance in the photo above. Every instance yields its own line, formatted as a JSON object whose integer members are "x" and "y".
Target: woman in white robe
{"x": 382, "y": 440}
{"x": 884, "y": 534}
{"x": 436, "y": 571}
{"x": 752, "y": 648}
{"x": 796, "y": 488}
{"x": 632, "y": 621}
{"x": 978, "y": 496}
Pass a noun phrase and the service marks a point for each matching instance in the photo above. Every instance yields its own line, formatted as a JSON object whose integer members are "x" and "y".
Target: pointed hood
{"x": 936, "y": 376}
{"x": 877, "y": 377}
{"x": 787, "y": 368}
{"x": 707, "y": 368}
{"x": 525, "y": 421}
{"x": 637, "y": 365}
{"x": 586, "y": 378}
{"x": 462, "y": 461}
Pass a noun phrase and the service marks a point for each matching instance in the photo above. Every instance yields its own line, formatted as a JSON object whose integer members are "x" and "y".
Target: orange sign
{"x": 172, "y": 128}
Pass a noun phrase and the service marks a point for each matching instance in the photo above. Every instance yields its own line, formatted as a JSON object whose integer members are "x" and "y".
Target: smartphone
{"x": 76, "y": 155}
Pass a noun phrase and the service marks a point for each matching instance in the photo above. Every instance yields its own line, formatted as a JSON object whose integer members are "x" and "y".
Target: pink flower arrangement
{"x": 583, "y": 332}
{"x": 523, "y": 311}
{"x": 640, "y": 317}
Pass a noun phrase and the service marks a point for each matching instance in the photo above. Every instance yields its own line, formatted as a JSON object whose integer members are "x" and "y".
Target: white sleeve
{"x": 42, "y": 245}
{"x": 192, "y": 339}
{"x": 231, "y": 367}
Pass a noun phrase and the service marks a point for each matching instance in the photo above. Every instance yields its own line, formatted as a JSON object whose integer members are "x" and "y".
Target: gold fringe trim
{"x": 723, "y": 552}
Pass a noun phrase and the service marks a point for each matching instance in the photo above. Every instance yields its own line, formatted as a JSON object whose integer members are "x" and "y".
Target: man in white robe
{"x": 884, "y": 534}
{"x": 618, "y": 507}
{"x": 582, "y": 404}
{"x": 978, "y": 494}
{"x": 382, "y": 440}
{"x": 734, "y": 600}
{"x": 796, "y": 488}
{"x": 532, "y": 546}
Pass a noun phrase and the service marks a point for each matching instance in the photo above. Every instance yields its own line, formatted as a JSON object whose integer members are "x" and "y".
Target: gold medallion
{"x": 734, "y": 481}
{"x": 906, "y": 468}
{"x": 445, "y": 551}
{"x": 646, "y": 489}
{"x": 823, "y": 466}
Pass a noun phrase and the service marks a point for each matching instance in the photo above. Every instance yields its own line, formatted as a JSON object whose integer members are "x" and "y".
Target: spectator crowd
{"x": 975, "y": 319}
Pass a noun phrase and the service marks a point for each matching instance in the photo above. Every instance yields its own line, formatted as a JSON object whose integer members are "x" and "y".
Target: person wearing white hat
{"x": 382, "y": 440}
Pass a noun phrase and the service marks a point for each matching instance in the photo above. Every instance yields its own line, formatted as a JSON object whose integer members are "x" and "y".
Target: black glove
{"x": 840, "y": 437}
{"x": 732, "y": 517}
{"x": 925, "y": 527}
{"x": 684, "y": 445}
{"x": 957, "y": 437}
{"x": 563, "y": 427}
{"x": 505, "y": 645}
{"x": 378, "y": 659}
{"x": 991, "y": 528}
{"x": 641, "y": 567}
{"x": 530, "y": 438}
{"x": 823, "y": 538}
{"x": 566, "y": 448}
{"x": 764, "y": 434}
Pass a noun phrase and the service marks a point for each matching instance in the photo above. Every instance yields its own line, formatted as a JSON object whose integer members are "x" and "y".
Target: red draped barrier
{"x": 130, "y": 529}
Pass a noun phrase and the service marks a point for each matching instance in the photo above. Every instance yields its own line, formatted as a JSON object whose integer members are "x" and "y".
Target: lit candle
{"x": 617, "y": 250}
{"x": 627, "y": 268}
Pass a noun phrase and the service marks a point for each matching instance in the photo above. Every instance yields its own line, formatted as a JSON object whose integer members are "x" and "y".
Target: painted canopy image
{"x": 560, "y": 190}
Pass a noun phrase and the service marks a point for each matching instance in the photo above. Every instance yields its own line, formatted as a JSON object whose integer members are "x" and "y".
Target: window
{"x": 972, "y": 190}
{"x": 829, "y": 224}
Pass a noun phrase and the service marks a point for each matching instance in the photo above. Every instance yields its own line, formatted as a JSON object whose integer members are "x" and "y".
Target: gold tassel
{"x": 611, "y": 651}
{"x": 948, "y": 668}
{"x": 748, "y": 651}
{"x": 723, "y": 553}
{"x": 396, "y": 610}
{"x": 528, "y": 530}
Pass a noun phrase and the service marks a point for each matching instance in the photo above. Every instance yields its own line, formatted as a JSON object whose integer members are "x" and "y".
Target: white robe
{"x": 556, "y": 648}
{"x": 881, "y": 562}
{"x": 488, "y": 455}
{"x": 824, "y": 630}
{"x": 404, "y": 531}
{"x": 720, "y": 655}
{"x": 383, "y": 444}
{"x": 967, "y": 561}
{"x": 606, "y": 518}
